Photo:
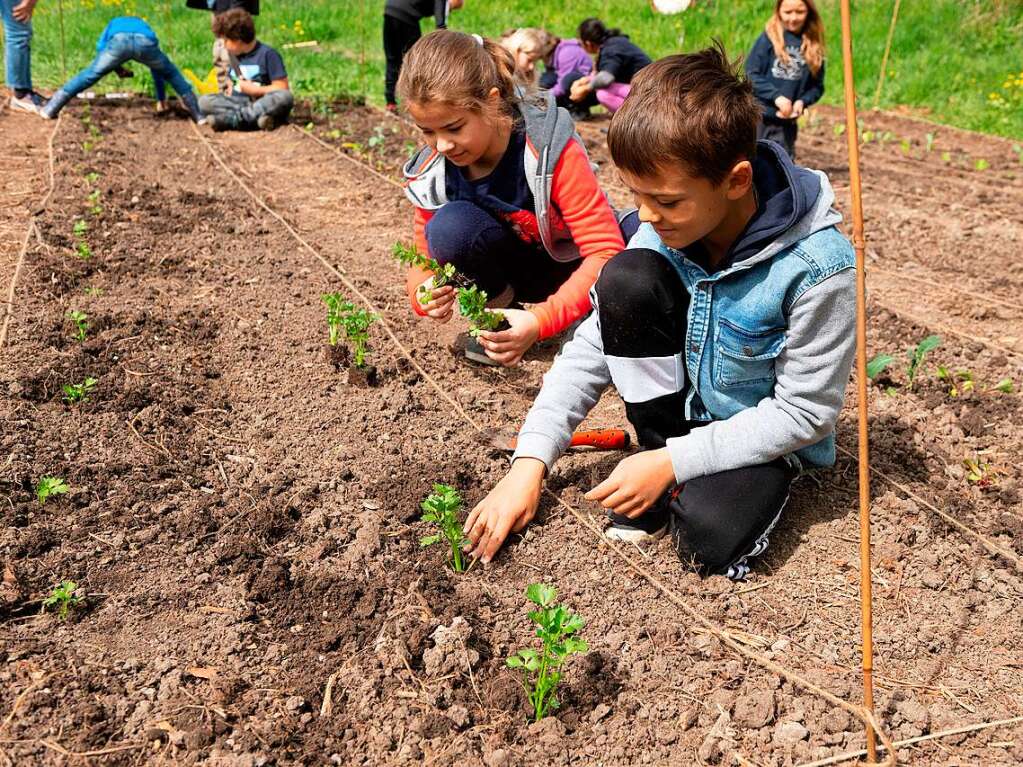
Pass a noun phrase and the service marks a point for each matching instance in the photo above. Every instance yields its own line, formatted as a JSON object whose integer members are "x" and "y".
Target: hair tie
{"x": 478, "y": 39}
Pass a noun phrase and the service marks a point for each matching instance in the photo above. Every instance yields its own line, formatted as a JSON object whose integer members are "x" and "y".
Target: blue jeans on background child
{"x": 121, "y": 48}
{"x": 17, "y": 48}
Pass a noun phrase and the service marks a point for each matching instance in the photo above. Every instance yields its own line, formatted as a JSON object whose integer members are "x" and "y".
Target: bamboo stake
{"x": 866, "y": 610}
{"x": 63, "y": 47}
{"x": 887, "y": 50}
{"x": 362, "y": 47}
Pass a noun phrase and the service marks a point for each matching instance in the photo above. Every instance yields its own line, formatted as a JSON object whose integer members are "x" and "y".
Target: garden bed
{"x": 245, "y": 526}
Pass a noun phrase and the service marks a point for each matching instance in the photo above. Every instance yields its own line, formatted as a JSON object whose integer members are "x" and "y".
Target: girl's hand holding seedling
{"x": 784, "y": 106}
{"x": 636, "y": 483}
{"x": 508, "y": 346}
{"x": 508, "y": 508}
{"x": 440, "y": 302}
{"x": 797, "y": 109}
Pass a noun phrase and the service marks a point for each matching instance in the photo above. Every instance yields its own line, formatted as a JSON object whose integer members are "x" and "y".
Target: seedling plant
{"x": 342, "y": 315}
{"x": 916, "y": 355}
{"x": 442, "y": 507}
{"x": 541, "y": 670}
{"x": 75, "y": 393}
{"x": 79, "y": 230}
{"x": 50, "y": 486}
{"x": 472, "y": 304}
{"x": 81, "y": 323}
{"x": 63, "y": 597}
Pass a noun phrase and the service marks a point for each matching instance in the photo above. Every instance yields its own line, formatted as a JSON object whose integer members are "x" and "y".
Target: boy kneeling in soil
{"x": 258, "y": 94}
{"x": 727, "y": 327}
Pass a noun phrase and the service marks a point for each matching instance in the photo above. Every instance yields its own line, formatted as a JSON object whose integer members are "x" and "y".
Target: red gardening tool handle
{"x": 606, "y": 439}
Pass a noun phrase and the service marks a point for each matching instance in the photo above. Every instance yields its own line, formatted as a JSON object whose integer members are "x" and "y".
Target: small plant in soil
{"x": 81, "y": 323}
{"x": 878, "y": 365}
{"x": 63, "y": 598}
{"x": 541, "y": 670}
{"x": 80, "y": 228}
{"x": 442, "y": 507}
{"x": 50, "y": 486}
{"x": 356, "y": 324}
{"x": 472, "y": 304}
{"x": 917, "y": 355}
{"x": 336, "y": 305}
{"x": 978, "y": 472}
{"x": 1004, "y": 386}
{"x": 91, "y": 177}
{"x": 958, "y": 382}
{"x": 75, "y": 393}
{"x": 95, "y": 208}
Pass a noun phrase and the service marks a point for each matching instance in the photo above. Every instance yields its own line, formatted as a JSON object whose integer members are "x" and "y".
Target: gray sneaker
{"x": 266, "y": 122}
{"x": 473, "y": 350}
{"x": 220, "y": 122}
{"x": 30, "y": 102}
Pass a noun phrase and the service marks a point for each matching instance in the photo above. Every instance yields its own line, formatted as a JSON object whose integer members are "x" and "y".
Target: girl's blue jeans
{"x": 17, "y": 48}
{"x": 130, "y": 47}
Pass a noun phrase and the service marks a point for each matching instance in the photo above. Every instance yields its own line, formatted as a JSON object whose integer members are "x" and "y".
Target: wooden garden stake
{"x": 887, "y": 50}
{"x": 866, "y": 611}
{"x": 63, "y": 50}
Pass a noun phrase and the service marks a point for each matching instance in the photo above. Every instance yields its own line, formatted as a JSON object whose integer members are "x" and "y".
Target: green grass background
{"x": 954, "y": 61}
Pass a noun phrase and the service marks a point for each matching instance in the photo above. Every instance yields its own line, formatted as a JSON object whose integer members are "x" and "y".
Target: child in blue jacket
{"x": 786, "y": 67}
{"x": 127, "y": 38}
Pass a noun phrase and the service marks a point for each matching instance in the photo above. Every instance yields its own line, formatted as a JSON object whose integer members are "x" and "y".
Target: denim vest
{"x": 738, "y": 317}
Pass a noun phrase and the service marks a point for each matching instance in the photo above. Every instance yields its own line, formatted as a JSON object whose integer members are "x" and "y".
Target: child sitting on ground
{"x": 565, "y": 62}
{"x": 786, "y": 67}
{"x": 727, "y": 328}
{"x": 124, "y": 39}
{"x": 221, "y": 58}
{"x": 618, "y": 61}
{"x": 258, "y": 95}
{"x": 504, "y": 191}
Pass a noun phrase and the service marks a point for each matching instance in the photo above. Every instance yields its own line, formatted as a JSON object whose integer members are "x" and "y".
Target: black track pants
{"x": 399, "y": 36}
{"x": 718, "y": 521}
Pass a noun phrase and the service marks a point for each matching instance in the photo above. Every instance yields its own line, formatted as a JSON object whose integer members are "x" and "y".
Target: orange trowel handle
{"x": 606, "y": 439}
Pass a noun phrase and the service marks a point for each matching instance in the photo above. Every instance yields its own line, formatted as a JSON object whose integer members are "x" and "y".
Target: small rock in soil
{"x": 498, "y": 758}
{"x": 549, "y": 733}
{"x": 789, "y": 733}
{"x": 755, "y": 710}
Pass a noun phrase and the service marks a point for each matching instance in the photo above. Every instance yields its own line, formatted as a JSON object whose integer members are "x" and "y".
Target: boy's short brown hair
{"x": 691, "y": 108}
{"x": 235, "y": 24}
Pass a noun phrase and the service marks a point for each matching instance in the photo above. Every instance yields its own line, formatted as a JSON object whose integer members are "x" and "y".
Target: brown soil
{"x": 245, "y": 526}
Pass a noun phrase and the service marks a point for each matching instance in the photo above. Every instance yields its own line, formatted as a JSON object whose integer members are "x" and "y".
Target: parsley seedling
{"x": 81, "y": 323}
{"x": 441, "y": 507}
{"x": 472, "y": 304}
{"x": 48, "y": 486}
{"x": 74, "y": 393}
{"x": 63, "y": 597}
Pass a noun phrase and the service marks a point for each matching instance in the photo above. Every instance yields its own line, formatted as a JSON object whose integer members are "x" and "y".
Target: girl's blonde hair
{"x": 813, "y": 37}
{"x": 535, "y": 42}
{"x": 448, "y": 67}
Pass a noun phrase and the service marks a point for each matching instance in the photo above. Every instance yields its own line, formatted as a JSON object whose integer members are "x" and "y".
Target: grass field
{"x": 976, "y": 83}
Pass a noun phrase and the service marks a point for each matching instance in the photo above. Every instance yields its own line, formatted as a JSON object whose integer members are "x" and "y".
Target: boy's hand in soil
{"x": 508, "y": 508}
{"x": 441, "y": 305}
{"x": 636, "y": 483}
{"x": 784, "y": 106}
{"x": 508, "y": 346}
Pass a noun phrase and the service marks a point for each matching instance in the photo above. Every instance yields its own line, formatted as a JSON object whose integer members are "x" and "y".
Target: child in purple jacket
{"x": 565, "y": 61}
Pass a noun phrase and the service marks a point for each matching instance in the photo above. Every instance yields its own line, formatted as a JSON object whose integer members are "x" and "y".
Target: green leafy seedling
{"x": 906, "y": 146}
{"x": 442, "y": 507}
{"x": 541, "y": 670}
{"x": 91, "y": 177}
{"x": 91, "y": 290}
{"x": 917, "y": 356}
{"x": 978, "y": 472}
{"x": 1004, "y": 386}
{"x": 336, "y": 306}
{"x": 929, "y": 142}
{"x": 75, "y": 393}
{"x": 958, "y": 382}
{"x": 49, "y": 486}
{"x": 878, "y": 365}
{"x": 63, "y": 597}
{"x": 981, "y": 164}
{"x": 445, "y": 274}
{"x": 838, "y": 129}
{"x": 472, "y": 304}
{"x": 356, "y": 324}
{"x": 81, "y": 323}
{"x": 95, "y": 207}
{"x": 83, "y": 251}
{"x": 80, "y": 228}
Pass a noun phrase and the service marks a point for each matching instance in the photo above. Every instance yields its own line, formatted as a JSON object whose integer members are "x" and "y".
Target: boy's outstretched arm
{"x": 570, "y": 389}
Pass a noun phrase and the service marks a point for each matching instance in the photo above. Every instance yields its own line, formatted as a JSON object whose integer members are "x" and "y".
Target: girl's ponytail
{"x": 592, "y": 30}
{"x": 455, "y": 68}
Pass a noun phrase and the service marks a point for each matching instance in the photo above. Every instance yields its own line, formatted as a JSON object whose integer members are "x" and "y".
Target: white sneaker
{"x": 634, "y": 534}
{"x": 645, "y": 528}
{"x": 30, "y": 102}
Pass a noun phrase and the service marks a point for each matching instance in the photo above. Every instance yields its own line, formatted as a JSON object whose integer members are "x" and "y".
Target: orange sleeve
{"x": 594, "y": 229}
{"x": 417, "y": 275}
